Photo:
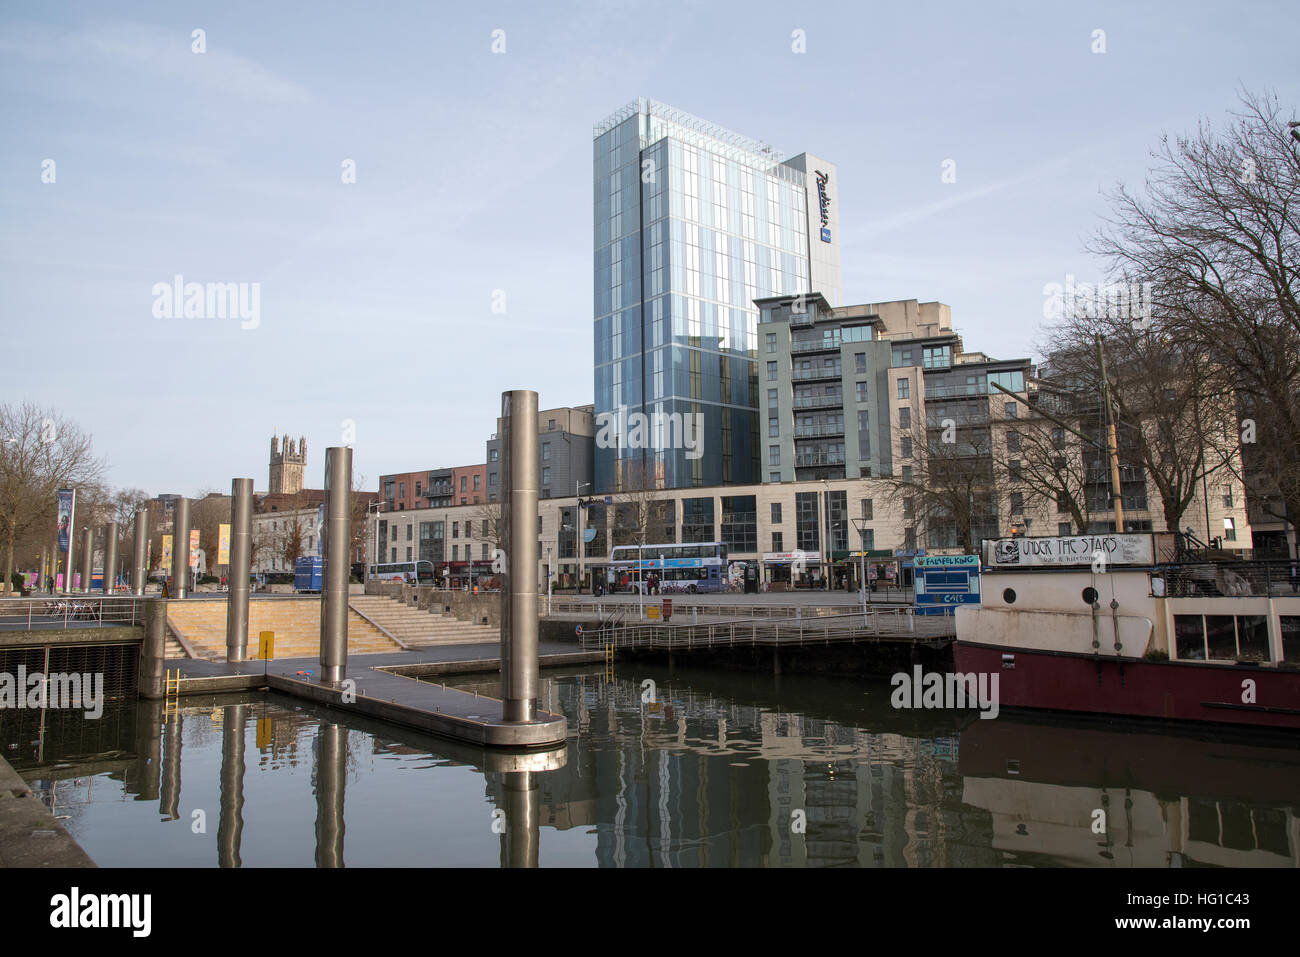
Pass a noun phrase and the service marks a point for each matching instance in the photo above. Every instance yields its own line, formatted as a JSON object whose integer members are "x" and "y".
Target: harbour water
{"x": 689, "y": 768}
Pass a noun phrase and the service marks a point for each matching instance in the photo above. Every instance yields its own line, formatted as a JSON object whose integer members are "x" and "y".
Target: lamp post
{"x": 864, "y": 593}
{"x": 577, "y": 505}
{"x": 377, "y": 506}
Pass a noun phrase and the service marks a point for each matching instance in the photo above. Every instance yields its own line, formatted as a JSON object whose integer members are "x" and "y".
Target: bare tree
{"x": 40, "y": 452}
{"x": 1217, "y": 233}
{"x": 943, "y": 481}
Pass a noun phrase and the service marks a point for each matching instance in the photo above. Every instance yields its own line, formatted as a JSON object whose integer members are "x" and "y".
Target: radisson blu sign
{"x": 824, "y": 200}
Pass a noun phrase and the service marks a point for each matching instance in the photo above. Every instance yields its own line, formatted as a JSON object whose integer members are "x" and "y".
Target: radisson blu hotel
{"x": 692, "y": 224}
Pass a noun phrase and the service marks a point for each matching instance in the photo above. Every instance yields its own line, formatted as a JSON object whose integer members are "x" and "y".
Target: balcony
{"x": 818, "y": 458}
{"x": 835, "y": 401}
{"x": 815, "y": 431}
{"x": 955, "y": 391}
{"x": 819, "y": 345}
{"x": 807, "y": 375}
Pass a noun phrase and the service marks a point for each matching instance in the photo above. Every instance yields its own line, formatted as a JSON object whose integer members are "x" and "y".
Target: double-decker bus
{"x": 413, "y": 573}
{"x": 698, "y": 567}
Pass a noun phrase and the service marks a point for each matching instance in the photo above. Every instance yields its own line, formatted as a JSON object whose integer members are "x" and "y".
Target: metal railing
{"x": 897, "y": 624}
{"x": 819, "y": 458}
{"x": 817, "y": 431}
{"x": 803, "y": 375}
{"x": 819, "y": 401}
{"x": 73, "y": 611}
{"x": 1254, "y": 579}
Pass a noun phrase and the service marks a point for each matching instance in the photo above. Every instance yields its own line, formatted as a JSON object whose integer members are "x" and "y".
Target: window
{"x": 864, "y": 420}
{"x": 494, "y": 455}
{"x": 774, "y": 455}
{"x": 771, "y": 399}
{"x": 408, "y": 532}
{"x": 1013, "y": 471}
{"x": 401, "y": 490}
{"x": 905, "y": 447}
{"x": 1063, "y": 529}
{"x": 771, "y": 372}
{"x": 774, "y": 476}
{"x": 546, "y": 475}
{"x": 868, "y": 510}
{"x": 909, "y": 539}
{"x": 469, "y": 529}
{"x": 1013, "y": 441}
{"x": 905, "y": 418}
{"x": 868, "y": 537}
{"x": 904, "y": 388}
{"x": 771, "y": 342}
{"x": 550, "y": 425}
{"x": 455, "y": 529}
{"x": 1229, "y": 530}
{"x": 476, "y": 481}
{"x": 776, "y": 513}
{"x": 455, "y": 553}
{"x": 862, "y": 392}
{"x": 909, "y": 507}
{"x": 1017, "y": 503}
{"x": 546, "y": 451}
{"x": 936, "y": 357}
{"x": 1227, "y": 496}
{"x": 777, "y": 542}
{"x": 773, "y": 427}
{"x": 1011, "y": 410}
{"x": 907, "y": 473}
{"x": 408, "y": 553}
{"x": 485, "y": 554}
{"x": 859, "y": 362}
{"x": 463, "y": 482}
{"x": 1058, "y": 438}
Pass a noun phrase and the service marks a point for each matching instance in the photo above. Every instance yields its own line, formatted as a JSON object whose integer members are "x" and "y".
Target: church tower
{"x": 287, "y": 465}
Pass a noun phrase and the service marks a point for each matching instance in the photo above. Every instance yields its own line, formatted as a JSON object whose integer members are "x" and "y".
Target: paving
{"x": 29, "y": 835}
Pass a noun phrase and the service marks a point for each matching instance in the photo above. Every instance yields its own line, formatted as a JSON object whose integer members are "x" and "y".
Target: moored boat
{"x": 1094, "y": 624}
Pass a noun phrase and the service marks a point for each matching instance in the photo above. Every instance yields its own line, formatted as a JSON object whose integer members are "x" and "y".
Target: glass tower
{"x": 692, "y": 224}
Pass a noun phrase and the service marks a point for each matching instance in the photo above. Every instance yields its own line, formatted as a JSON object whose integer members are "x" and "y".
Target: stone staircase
{"x": 420, "y": 629}
{"x": 295, "y": 621}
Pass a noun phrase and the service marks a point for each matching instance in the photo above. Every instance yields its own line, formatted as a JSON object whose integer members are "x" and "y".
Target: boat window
{"x": 1009, "y": 596}
{"x": 1090, "y": 595}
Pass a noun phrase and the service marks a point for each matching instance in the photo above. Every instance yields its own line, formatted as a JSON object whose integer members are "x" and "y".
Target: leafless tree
{"x": 1217, "y": 232}
{"x": 943, "y": 482}
{"x": 40, "y": 453}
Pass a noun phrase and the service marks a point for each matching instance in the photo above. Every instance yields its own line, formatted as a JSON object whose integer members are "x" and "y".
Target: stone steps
{"x": 296, "y": 623}
{"x": 418, "y": 628}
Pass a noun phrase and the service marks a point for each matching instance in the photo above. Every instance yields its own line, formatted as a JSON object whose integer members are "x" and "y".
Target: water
{"x": 704, "y": 769}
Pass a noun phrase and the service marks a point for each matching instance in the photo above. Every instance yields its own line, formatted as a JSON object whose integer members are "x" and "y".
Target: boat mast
{"x": 1117, "y": 496}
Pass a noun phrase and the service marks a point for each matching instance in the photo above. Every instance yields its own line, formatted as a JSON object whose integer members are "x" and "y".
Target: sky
{"x": 395, "y": 309}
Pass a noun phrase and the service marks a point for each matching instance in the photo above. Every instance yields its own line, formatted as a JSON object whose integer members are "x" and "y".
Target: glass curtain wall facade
{"x": 692, "y": 223}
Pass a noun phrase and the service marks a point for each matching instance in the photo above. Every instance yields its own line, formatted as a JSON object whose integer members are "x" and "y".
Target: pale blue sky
{"x": 474, "y": 174}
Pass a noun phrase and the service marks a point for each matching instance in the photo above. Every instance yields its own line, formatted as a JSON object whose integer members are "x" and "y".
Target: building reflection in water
{"x": 715, "y": 771}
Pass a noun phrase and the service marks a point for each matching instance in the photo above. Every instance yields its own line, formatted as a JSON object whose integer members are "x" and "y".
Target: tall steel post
{"x": 241, "y": 540}
{"x": 334, "y": 586}
{"x": 87, "y": 557}
{"x": 110, "y": 557}
{"x": 139, "y": 552}
{"x": 331, "y": 779}
{"x": 181, "y": 549}
{"x": 520, "y": 469}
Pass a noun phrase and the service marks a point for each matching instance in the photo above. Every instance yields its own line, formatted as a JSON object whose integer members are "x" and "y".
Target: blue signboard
{"x": 945, "y": 581}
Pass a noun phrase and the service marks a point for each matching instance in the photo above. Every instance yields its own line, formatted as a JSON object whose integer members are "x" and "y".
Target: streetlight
{"x": 826, "y": 534}
{"x": 378, "y": 506}
{"x": 864, "y": 593}
{"x": 577, "y": 506}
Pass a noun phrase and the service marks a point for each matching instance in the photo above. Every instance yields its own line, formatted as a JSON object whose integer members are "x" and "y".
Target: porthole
{"x": 1090, "y": 596}
{"x": 1009, "y": 596}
